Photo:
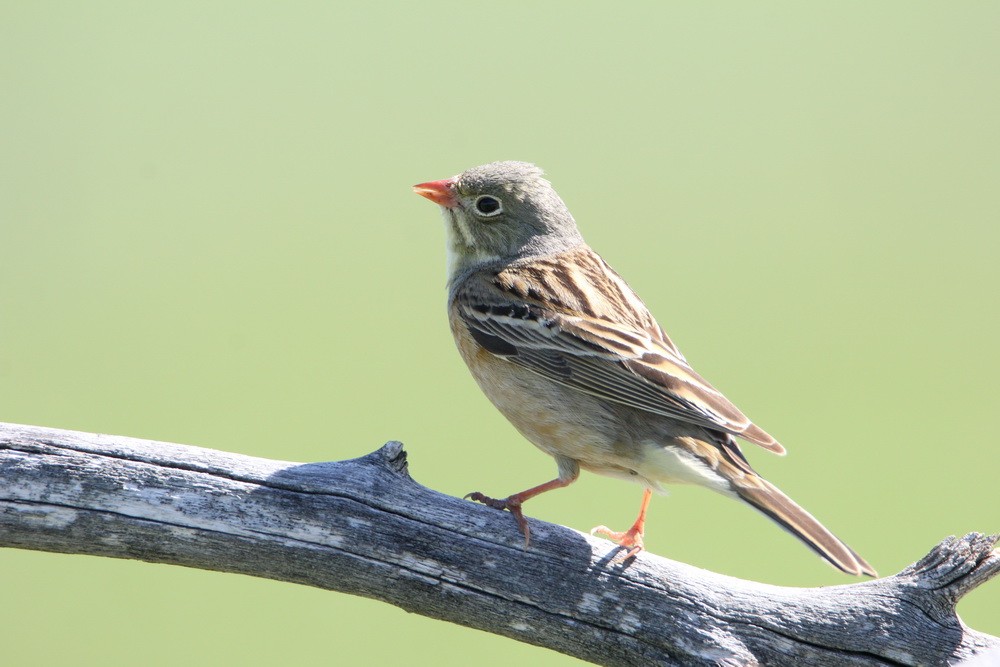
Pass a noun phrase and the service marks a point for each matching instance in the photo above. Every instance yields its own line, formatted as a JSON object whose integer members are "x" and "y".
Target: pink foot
{"x": 631, "y": 539}
{"x": 512, "y": 504}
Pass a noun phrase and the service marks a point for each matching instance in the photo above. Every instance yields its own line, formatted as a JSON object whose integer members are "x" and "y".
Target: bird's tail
{"x": 766, "y": 497}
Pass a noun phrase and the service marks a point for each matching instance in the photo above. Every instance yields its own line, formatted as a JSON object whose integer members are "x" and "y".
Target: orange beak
{"x": 440, "y": 192}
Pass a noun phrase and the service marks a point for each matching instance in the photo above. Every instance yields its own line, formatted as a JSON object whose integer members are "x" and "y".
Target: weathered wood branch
{"x": 365, "y": 527}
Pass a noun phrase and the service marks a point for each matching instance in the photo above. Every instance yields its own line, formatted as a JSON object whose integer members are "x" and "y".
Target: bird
{"x": 571, "y": 356}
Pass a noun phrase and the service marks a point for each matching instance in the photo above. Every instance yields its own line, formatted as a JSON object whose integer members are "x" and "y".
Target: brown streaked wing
{"x": 602, "y": 358}
{"x": 579, "y": 281}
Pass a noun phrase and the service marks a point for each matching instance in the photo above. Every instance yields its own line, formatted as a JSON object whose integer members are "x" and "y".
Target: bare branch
{"x": 365, "y": 527}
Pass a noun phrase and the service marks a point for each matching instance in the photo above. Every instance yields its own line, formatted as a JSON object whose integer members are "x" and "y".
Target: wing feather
{"x": 604, "y": 358}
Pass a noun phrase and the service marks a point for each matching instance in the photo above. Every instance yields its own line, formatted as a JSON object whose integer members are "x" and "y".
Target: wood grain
{"x": 364, "y": 527}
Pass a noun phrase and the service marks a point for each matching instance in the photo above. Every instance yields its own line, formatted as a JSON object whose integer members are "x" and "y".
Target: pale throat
{"x": 459, "y": 246}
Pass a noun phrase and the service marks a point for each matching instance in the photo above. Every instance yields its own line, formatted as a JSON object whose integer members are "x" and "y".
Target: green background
{"x": 207, "y": 235}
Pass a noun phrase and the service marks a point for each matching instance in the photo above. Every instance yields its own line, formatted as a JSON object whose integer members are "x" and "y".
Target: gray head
{"x": 500, "y": 212}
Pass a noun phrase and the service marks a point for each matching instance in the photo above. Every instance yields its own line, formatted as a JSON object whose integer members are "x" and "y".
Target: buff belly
{"x": 601, "y": 437}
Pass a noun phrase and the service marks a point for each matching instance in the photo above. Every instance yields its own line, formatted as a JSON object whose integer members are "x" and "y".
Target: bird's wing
{"x": 612, "y": 361}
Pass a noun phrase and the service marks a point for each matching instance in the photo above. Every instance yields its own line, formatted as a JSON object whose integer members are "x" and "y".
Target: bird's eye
{"x": 488, "y": 206}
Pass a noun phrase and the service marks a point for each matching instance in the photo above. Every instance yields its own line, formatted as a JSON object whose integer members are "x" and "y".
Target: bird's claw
{"x": 495, "y": 503}
{"x": 631, "y": 539}
{"x": 511, "y": 504}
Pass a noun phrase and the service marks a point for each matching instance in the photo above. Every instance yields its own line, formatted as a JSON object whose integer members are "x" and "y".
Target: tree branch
{"x": 365, "y": 527}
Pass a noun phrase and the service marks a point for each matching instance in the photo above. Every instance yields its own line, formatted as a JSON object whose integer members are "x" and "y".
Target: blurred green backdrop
{"x": 208, "y": 236}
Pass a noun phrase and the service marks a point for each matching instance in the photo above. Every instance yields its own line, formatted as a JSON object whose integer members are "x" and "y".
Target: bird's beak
{"x": 440, "y": 192}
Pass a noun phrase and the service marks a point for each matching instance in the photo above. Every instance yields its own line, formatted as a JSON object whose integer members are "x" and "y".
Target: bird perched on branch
{"x": 565, "y": 349}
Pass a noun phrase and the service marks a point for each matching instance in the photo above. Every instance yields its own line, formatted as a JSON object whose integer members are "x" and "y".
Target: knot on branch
{"x": 956, "y": 566}
{"x": 390, "y": 457}
{"x": 394, "y": 455}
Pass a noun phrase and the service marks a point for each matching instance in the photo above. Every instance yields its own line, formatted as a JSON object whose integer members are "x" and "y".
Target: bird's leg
{"x": 631, "y": 539}
{"x": 513, "y": 503}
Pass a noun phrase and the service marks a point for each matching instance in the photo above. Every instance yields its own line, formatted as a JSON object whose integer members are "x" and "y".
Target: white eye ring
{"x": 489, "y": 202}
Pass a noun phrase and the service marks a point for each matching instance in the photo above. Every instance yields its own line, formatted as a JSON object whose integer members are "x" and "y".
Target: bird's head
{"x": 498, "y": 213}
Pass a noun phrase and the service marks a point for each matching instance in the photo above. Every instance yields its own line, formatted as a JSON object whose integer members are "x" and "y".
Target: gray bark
{"x": 364, "y": 527}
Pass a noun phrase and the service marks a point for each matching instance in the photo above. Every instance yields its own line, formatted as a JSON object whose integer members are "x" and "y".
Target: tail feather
{"x": 766, "y": 498}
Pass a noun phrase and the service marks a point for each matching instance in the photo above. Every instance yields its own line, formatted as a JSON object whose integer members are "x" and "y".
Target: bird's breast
{"x": 557, "y": 419}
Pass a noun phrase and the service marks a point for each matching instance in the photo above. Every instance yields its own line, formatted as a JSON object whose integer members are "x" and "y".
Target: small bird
{"x": 569, "y": 354}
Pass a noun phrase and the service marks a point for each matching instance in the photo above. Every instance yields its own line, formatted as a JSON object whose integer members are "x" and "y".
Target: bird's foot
{"x": 512, "y": 504}
{"x": 631, "y": 539}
